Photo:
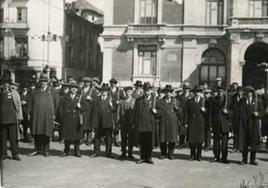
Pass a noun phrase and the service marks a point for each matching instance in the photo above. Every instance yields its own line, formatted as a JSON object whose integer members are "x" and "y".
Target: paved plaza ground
{"x": 72, "y": 172}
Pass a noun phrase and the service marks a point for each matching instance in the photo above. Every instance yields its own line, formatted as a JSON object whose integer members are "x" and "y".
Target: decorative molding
{"x": 259, "y": 37}
{"x": 235, "y": 38}
{"x": 212, "y": 43}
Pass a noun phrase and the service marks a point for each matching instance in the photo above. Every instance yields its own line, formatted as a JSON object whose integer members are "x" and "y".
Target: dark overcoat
{"x": 249, "y": 130}
{"x": 169, "y": 123}
{"x": 143, "y": 113}
{"x": 87, "y": 106}
{"x": 265, "y": 115}
{"x": 219, "y": 120}
{"x": 69, "y": 118}
{"x": 42, "y": 108}
{"x": 183, "y": 102}
{"x": 102, "y": 114}
{"x": 194, "y": 118}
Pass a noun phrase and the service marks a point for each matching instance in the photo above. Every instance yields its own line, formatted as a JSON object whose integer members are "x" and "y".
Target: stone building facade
{"x": 176, "y": 41}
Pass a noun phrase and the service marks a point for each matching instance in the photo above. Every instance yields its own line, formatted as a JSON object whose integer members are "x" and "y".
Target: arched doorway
{"x": 252, "y": 73}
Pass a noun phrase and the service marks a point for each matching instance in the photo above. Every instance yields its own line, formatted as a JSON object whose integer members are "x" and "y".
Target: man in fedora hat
{"x": 208, "y": 98}
{"x": 102, "y": 121}
{"x": 126, "y": 108}
{"x": 138, "y": 91}
{"x": 167, "y": 109}
{"x": 116, "y": 95}
{"x": 183, "y": 99}
{"x": 194, "y": 121}
{"x": 236, "y": 101}
{"x": 144, "y": 120}
{"x": 219, "y": 114}
{"x": 69, "y": 116}
{"x": 88, "y": 95}
{"x": 10, "y": 115}
{"x": 42, "y": 112}
{"x": 251, "y": 110}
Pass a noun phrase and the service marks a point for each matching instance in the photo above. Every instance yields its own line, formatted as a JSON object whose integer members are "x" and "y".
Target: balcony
{"x": 14, "y": 25}
{"x": 145, "y": 29}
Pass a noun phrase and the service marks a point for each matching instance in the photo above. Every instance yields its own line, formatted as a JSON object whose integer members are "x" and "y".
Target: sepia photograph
{"x": 133, "y": 93}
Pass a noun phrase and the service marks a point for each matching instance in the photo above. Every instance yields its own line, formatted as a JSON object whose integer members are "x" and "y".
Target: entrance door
{"x": 253, "y": 74}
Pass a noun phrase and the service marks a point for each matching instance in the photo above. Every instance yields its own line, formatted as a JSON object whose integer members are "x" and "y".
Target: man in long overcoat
{"x": 69, "y": 111}
{"x": 249, "y": 134}
{"x": 126, "y": 123}
{"x": 144, "y": 120}
{"x": 167, "y": 109}
{"x": 10, "y": 115}
{"x": 183, "y": 99}
{"x": 102, "y": 121}
{"x": 194, "y": 120}
{"x": 220, "y": 125}
{"x": 42, "y": 112}
{"x": 88, "y": 95}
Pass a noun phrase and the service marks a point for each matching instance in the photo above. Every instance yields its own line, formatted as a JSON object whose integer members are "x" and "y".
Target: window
{"x": 1, "y": 47}
{"x": 21, "y": 47}
{"x": 214, "y": 12}
{"x": 258, "y": 8}
{"x": 1, "y": 15}
{"x": 22, "y": 14}
{"x": 213, "y": 66}
{"x": 147, "y": 60}
{"x": 148, "y": 11}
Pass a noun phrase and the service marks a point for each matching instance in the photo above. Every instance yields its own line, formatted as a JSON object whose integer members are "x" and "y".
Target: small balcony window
{"x": 148, "y": 11}
{"x": 21, "y": 47}
{"x": 214, "y": 12}
{"x": 22, "y": 14}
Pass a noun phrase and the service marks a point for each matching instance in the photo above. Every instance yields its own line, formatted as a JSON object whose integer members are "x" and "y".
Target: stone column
{"x": 236, "y": 66}
{"x": 107, "y": 64}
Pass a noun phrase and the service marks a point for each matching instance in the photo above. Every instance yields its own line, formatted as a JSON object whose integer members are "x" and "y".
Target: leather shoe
{"x": 94, "y": 155}
{"x": 254, "y": 163}
{"x": 64, "y": 154}
{"x": 16, "y": 157}
{"x": 215, "y": 159}
{"x": 3, "y": 157}
{"x": 199, "y": 159}
{"x": 140, "y": 161}
{"x": 46, "y": 154}
{"x": 131, "y": 157}
{"x": 243, "y": 163}
{"x": 35, "y": 153}
{"x": 149, "y": 161}
{"x": 171, "y": 157}
{"x": 225, "y": 161}
{"x": 78, "y": 154}
{"x": 162, "y": 157}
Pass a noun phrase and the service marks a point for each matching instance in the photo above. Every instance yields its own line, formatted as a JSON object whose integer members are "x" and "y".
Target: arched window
{"x": 213, "y": 66}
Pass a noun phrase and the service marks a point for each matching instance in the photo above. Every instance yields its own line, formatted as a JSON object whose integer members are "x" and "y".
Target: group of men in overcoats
{"x": 144, "y": 117}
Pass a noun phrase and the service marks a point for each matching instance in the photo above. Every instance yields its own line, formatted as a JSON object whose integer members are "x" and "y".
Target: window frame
{"x": 252, "y": 10}
{"x": 142, "y": 58}
{"x": 153, "y": 17}
{"x": 220, "y": 12}
{"x": 23, "y": 19}
{"x": 21, "y": 53}
{"x": 216, "y": 65}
